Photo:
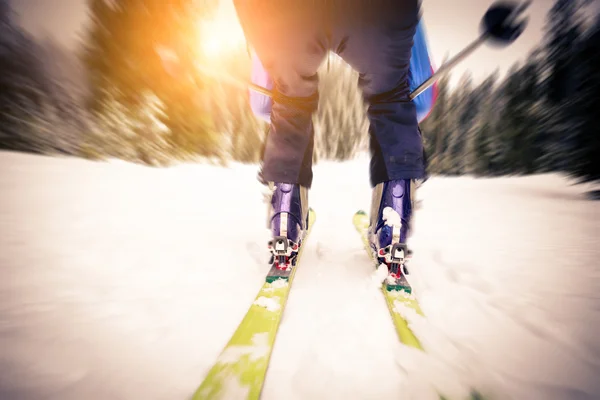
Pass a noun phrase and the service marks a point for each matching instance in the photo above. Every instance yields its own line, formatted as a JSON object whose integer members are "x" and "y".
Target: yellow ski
{"x": 240, "y": 370}
{"x": 395, "y": 299}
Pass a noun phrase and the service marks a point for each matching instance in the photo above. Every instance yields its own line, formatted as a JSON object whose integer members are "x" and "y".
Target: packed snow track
{"x": 116, "y": 283}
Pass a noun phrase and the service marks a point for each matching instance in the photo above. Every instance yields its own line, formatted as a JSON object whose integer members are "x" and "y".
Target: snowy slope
{"x": 114, "y": 281}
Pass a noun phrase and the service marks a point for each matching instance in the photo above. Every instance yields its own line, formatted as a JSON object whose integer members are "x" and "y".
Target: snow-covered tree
{"x": 341, "y": 124}
{"x": 123, "y": 63}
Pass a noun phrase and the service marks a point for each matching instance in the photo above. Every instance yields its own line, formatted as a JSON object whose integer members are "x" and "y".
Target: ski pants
{"x": 375, "y": 37}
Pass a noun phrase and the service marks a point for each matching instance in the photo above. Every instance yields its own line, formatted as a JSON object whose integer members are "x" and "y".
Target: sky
{"x": 450, "y": 25}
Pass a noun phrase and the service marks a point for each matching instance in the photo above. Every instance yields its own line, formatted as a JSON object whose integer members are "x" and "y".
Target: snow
{"x": 259, "y": 349}
{"x": 121, "y": 281}
{"x": 279, "y": 284}
{"x": 270, "y": 303}
{"x": 379, "y": 275}
{"x": 232, "y": 387}
{"x": 391, "y": 217}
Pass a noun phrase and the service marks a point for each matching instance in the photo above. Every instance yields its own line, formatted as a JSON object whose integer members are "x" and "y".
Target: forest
{"x": 113, "y": 98}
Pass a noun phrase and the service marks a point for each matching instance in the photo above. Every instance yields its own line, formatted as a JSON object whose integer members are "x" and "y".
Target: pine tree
{"x": 64, "y": 96}
{"x": 482, "y": 131}
{"x": 435, "y": 128}
{"x": 467, "y": 107}
{"x": 515, "y": 127}
{"x": 585, "y": 142}
{"x": 341, "y": 124}
{"x": 23, "y": 86}
{"x": 569, "y": 114}
{"x": 124, "y": 65}
{"x": 563, "y": 30}
{"x": 533, "y": 140}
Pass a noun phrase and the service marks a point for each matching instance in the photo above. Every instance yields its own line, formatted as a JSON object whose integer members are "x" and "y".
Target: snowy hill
{"x": 114, "y": 283}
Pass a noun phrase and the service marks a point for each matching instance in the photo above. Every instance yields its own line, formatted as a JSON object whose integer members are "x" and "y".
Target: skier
{"x": 290, "y": 40}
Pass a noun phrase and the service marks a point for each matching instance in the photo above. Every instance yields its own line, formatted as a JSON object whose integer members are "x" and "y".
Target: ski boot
{"x": 288, "y": 222}
{"x": 391, "y": 210}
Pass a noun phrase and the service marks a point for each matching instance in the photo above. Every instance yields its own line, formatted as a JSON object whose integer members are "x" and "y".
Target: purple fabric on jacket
{"x": 259, "y": 103}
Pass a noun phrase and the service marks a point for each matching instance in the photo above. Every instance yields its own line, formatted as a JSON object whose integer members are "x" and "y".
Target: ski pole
{"x": 448, "y": 65}
{"x": 499, "y": 23}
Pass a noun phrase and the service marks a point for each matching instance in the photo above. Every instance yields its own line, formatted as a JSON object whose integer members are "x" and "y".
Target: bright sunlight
{"x": 223, "y": 33}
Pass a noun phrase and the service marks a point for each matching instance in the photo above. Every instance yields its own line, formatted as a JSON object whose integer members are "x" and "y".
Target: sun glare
{"x": 223, "y": 33}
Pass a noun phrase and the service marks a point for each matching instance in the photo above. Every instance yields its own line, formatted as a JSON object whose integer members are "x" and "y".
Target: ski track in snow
{"x": 114, "y": 282}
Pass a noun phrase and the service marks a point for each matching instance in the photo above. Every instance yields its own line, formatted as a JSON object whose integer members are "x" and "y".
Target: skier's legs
{"x": 376, "y": 38}
{"x": 290, "y": 43}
